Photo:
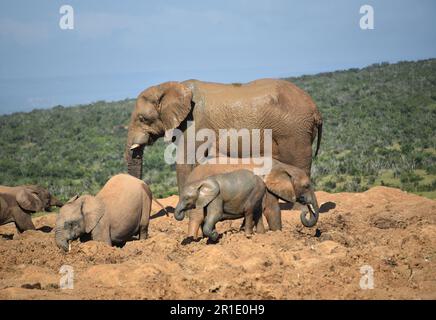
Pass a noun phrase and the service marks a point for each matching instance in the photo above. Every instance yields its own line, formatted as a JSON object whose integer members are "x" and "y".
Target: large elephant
{"x": 262, "y": 104}
{"x": 284, "y": 181}
{"x": 118, "y": 212}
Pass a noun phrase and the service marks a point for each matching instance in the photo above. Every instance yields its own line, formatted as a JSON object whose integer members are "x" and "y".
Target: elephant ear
{"x": 41, "y": 193}
{"x": 29, "y": 201}
{"x": 93, "y": 211}
{"x": 208, "y": 190}
{"x": 279, "y": 182}
{"x": 174, "y": 103}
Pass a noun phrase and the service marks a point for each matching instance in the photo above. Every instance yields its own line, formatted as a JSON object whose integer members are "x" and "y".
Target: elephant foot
{"x": 214, "y": 236}
{"x": 143, "y": 235}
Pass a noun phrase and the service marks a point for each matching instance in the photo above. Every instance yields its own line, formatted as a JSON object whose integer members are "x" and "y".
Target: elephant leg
{"x": 209, "y": 229}
{"x": 214, "y": 214}
{"x": 196, "y": 218}
{"x": 182, "y": 173}
{"x": 258, "y": 221}
{"x": 102, "y": 234}
{"x": 145, "y": 217}
{"x": 143, "y": 231}
{"x": 249, "y": 222}
{"x": 272, "y": 212}
{"x": 23, "y": 220}
{"x": 242, "y": 227}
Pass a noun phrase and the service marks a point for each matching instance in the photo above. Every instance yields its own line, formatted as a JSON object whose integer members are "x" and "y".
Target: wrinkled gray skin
{"x": 118, "y": 212}
{"x": 284, "y": 181}
{"x": 18, "y": 203}
{"x": 225, "y": 196}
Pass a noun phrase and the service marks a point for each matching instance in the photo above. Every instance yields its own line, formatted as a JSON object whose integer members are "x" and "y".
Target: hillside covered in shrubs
{"x": 379, "y": 129}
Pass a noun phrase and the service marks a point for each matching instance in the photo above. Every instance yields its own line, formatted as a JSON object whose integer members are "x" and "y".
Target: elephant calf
{"x": 225, "y": 196}
{"x": 284, "y": 181}
{"x": 118, "y": 212}
{"x": 18, "y": 203}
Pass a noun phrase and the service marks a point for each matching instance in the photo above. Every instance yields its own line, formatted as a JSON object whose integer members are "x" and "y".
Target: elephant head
{"x": 196, "y": 195}
{"x": 159, "y": 108}
{"x": 291, "y": 184}
{"x": 46, "y": 198}
{"x": 29, "y": 200}
{"x": 80, "y": 215}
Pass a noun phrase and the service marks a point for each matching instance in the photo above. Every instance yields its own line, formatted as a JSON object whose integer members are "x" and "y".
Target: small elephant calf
{"x": 284, "y": 181}
{"x": 225, "y": 196}
{"x": 118, "y": 212}
{"x": 18, "y": 203}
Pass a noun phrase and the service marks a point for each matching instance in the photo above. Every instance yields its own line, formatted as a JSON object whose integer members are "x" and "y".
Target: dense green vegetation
{"x": 379, "y": 129}
{"x": 379, "y": 125}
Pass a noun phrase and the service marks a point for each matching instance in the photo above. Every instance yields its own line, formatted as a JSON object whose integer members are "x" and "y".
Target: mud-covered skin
{"x": 10, "y": 211}
{"x": 225, "y": 196}
{"x": 272, "y": 104}
{"x": 118, "y": 212}
{"x": 42, "y": 198}
{"x": 18, "y": 203}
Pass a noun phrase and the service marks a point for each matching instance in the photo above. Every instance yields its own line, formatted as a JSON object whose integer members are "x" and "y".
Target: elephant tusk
{"x": 69, "y": 246}
{"x": 312, "y": 209}
{"x": 134, "y": 146}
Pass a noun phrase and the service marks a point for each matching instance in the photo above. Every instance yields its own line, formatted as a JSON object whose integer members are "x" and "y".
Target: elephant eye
{"x": 144, "y": 119}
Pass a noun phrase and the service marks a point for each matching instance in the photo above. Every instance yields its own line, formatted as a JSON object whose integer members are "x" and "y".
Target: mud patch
{"x": 390, "y": 230}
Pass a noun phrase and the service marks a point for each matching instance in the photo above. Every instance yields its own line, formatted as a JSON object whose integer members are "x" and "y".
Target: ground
{"x": 391, "y": 231}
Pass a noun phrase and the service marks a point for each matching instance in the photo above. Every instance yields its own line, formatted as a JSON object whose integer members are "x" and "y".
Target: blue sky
{"x": 118, "y": 48}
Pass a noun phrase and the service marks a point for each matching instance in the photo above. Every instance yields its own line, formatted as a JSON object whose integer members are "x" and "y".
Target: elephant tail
{"x": 161, "y": 205}
{"x": 319, "y": 136}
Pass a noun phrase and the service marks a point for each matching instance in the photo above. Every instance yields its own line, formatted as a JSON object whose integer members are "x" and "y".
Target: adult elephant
{"x": 262, "y": 104}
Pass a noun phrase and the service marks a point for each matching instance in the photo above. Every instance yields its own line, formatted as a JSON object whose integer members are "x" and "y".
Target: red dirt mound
{"x": 391, "y": 231}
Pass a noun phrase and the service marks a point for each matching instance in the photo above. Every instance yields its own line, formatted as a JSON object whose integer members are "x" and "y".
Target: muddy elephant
{"x": 118, "y": 212}
{"x": 284, "y": 181}
{"x": 34, "y": 197}
{"x": 262, "y": 104}
{"x": 225, "y": 196}
{"x": 18, "y": 203}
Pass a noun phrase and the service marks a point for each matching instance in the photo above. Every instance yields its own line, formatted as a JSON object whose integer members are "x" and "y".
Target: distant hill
{"x": 379, "y": 129}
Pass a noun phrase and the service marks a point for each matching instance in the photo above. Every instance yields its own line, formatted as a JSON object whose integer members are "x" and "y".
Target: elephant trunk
{"x": 312, "y": 210}
{"x": 61, "y": 239}
{"x": 55, "y": 202}
{"x": 134, "y": 161}
{"x": 179, "y": 212}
